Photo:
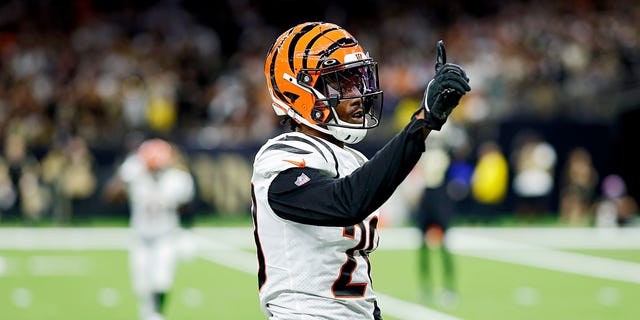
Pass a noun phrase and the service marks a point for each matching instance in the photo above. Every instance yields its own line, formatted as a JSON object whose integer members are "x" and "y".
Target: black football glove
{"x": 444, "y": 91}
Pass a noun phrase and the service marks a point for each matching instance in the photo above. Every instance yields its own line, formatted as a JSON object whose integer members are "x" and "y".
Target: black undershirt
{"x": 328, "y": 201}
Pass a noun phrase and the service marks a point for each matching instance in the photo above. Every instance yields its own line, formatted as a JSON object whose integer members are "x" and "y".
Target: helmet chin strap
{"x": 347, "y": 135}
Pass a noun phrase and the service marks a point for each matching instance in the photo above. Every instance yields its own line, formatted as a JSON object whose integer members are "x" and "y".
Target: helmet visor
{"x": 357, "y": 80}
{"x": 351, "y": 81}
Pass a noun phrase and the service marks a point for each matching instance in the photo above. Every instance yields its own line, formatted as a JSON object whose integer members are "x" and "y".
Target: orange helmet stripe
{"x": 293, "y": 43}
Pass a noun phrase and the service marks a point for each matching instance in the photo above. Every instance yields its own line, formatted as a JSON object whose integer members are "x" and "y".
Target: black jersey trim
{"x": 286, "y": 148}
{"x": 335, "y": 159}
{"x": 300, "y": 139}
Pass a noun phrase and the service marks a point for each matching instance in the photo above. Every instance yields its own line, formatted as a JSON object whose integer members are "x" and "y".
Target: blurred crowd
{"x": 77, "y": 77}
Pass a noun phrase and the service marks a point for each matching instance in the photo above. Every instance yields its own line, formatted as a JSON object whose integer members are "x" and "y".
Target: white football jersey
{"x": 155, "y": 198}
{"x": 313, "y": 267}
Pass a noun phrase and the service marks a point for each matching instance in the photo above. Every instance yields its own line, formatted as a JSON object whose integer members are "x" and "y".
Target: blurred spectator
{"x": 616, "y": 208}
{"x": 15, "y": 151}
{"x": 26, "y": 197}
{"x": 135, "y": 100}
{"x": 542, "y": 64}
{"x": 221, "y": 180}
{"x": 459, "y": 179}
{"x": 53, "y": 166}
{"x": 78, "y": 180}
{"x": 35, "y": 195}
{"x": 8, "y": 193}
{"x": 533, "y": 160}
{"x": 579, "y": 179}
{"x": 490, "y": 180}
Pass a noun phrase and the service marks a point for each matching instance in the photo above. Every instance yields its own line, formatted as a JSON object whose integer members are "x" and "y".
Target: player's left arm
{"x": 308, "y": 195}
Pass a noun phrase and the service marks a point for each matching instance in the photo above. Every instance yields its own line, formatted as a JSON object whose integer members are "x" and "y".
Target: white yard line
{"x": 539, "y": 256}
{"x": 64, "y": 238}
{"x": 410, "y": 311}
{"x": 537, "y": 247}
{"x": 562, "y": 238}
{"x": 558, "y": 238}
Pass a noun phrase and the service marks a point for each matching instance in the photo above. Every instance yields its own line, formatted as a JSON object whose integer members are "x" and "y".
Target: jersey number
{"x": 343, "y": 287}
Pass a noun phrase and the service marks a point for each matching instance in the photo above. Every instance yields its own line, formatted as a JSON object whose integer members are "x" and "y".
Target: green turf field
{"x": 501, "y": 274}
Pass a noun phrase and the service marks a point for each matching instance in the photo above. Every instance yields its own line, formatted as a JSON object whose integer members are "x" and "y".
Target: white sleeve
{"x": 181, "y": 188}
{"x": 131, "y": 168}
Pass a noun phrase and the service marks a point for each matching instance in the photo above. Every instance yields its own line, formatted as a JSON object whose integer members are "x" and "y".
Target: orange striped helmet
{"x": 315, "y": 65}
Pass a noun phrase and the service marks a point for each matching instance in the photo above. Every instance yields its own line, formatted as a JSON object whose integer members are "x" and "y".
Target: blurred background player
{"x": 432, "y": 217}
{"x": 158, "y": 191}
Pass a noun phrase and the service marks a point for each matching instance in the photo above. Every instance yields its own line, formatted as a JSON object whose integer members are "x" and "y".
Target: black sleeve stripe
{"x": 286, "y": 148}
{"x": 335, "y": 159}
{"x": 299, "y": 139}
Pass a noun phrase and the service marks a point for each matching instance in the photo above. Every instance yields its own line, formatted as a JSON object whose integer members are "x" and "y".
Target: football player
{"x": 158, "y": 191}
{"x": 315, "y": 199}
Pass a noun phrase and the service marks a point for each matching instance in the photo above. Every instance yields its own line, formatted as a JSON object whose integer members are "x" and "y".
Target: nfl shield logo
{"x": 302, "y": 179}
